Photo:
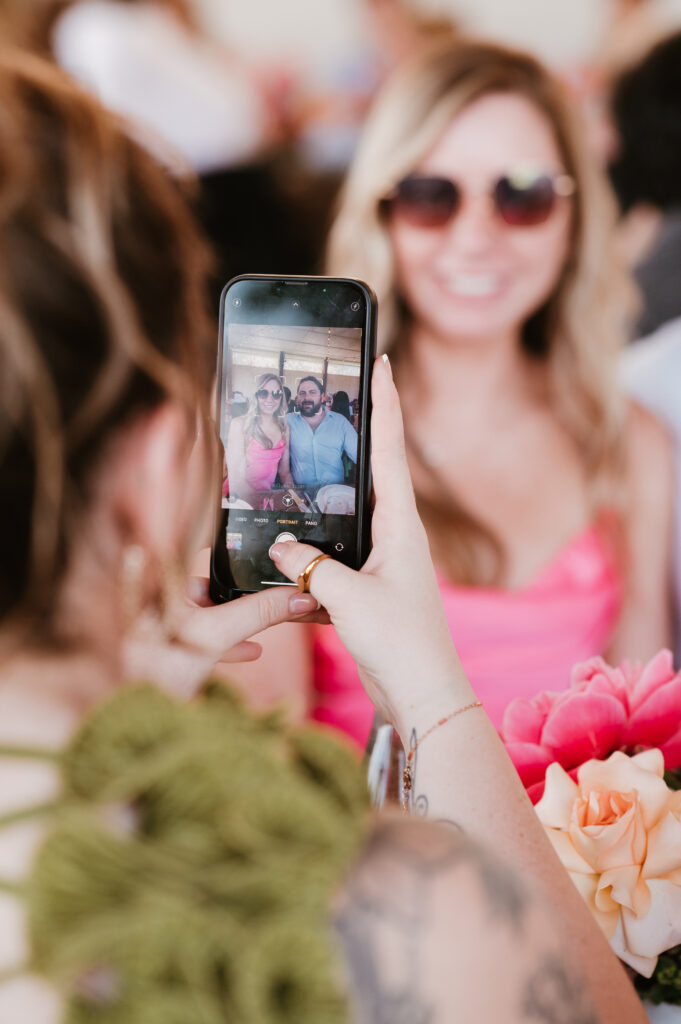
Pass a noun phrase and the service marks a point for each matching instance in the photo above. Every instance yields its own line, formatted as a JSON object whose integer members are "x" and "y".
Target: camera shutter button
{"x": 280, "y": 536}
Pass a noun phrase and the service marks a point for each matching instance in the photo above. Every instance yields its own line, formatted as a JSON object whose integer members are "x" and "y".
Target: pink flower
{"x": 654, "y": 706}
{"x": 632, "y": 707}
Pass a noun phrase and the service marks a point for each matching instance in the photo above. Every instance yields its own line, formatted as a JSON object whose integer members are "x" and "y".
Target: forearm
{"x": 462, "y": 774}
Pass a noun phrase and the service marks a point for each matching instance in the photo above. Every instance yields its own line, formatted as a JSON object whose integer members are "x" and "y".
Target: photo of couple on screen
{"x": 291, "y": 449}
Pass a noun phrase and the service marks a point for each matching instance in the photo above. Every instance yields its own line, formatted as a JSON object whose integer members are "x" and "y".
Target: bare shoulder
{"x": 649, "y": 446}
{"x": 428, "y": 917}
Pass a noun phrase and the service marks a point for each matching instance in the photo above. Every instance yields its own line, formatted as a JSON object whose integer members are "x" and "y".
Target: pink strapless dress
{"x": 262, "y": 464}
{"x": 512, "y": 643}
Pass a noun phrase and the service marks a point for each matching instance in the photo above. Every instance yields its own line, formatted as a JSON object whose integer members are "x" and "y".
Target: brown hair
{"x": 102, "y": 313}
{"x": 35, "y": 20}
{"x": 579, "y": 331}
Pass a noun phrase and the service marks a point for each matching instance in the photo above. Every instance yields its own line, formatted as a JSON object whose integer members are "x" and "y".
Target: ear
{"x": 151, "y": 499}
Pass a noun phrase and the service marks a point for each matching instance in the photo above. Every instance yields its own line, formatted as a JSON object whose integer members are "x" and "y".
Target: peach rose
{"x": 617, "y": 830}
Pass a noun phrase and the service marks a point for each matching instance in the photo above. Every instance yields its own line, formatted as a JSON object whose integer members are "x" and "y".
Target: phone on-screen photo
{"x": 293, "y": 415}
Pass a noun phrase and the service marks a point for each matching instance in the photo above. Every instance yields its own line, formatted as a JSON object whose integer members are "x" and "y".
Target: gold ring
{"x": 304, "y": 577}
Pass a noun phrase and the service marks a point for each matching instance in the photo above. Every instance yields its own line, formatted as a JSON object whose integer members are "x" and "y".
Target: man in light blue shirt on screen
{"x": 318, "y": 438}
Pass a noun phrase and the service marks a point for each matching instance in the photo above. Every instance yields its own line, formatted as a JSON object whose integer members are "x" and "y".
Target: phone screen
{"x": 293, "y": 414}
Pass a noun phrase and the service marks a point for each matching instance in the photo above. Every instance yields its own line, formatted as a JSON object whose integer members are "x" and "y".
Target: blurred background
{"x": 264, "y": 101}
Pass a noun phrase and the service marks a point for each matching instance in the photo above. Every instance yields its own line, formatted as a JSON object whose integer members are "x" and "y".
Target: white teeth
{"x": 475, "y": 285}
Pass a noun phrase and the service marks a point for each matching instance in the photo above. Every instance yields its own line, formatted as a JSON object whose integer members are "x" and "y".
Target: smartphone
{"x": 293, "y": 414}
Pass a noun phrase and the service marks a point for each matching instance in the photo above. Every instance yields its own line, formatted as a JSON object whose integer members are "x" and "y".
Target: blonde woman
{"x": 475, "y": 211}
{"x": 258, "y": 443}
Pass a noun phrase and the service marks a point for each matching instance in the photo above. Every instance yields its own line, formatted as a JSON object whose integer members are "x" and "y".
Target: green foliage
{"x": 665, "y": 984}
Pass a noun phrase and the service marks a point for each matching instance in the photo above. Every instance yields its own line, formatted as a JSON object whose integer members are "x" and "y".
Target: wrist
{"x": 442, "y": 695}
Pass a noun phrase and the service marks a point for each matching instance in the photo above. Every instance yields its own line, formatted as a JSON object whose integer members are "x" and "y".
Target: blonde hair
{"x": 252, "y": 428}
{"x": 580, "y": 329}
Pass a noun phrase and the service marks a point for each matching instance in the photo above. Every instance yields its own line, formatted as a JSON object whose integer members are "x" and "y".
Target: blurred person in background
{"x": 160, "y": 861}
{"x": 330, "y": 120}
{"x": 197, "y": 105}
{"x": 645, "y": 169}
{"x": 646, "y": 172}
{"x": 341, "y": 404}
{"x": 476, "y": 212}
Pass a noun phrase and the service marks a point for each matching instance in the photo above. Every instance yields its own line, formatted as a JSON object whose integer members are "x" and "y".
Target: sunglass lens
{"x": 426, "y": 202}
{"x": 524, "y": 202}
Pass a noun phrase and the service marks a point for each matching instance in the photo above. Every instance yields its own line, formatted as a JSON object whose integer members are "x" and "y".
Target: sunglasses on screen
{"x": 520, "y": 198}
{"x": 264, "y": 393}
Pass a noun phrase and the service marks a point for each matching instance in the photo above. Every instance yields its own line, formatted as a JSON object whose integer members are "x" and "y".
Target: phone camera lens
{"x": 295, "y": 304}
{"x": 354, "y": 306}
{"x": 237, "y": 302}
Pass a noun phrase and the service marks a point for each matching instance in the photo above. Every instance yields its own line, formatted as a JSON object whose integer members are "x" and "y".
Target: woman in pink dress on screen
{"x": 258, "y": 444}
{"x": 476, "y": 212}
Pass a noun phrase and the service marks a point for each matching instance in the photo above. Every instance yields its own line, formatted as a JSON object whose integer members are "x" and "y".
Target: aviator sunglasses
{"x": 521, "y": 198}
{"x": 264, "y": 393}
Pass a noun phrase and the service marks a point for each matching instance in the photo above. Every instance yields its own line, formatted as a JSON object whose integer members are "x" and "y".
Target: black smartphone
{"x": 293, "y": 415}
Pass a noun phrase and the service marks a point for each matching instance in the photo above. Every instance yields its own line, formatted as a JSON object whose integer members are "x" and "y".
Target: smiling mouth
{"x": 476, "y": 286}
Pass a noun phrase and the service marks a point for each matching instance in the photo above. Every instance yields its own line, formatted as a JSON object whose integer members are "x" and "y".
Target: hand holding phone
{"x": 294, "y": 408}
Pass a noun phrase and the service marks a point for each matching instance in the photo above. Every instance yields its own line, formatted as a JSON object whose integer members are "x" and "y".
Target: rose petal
{"x": 671, "y": 751}
{"x": 596, "y": 676}
{"x": 555, "y": 807}
{"x": 618, "y": 944}
{"x": 584, "y": 671}
{"x": 585, "y": 726}
{"x": 660, "y": 928}
{"x": 523, "y": 722}
{"x": 658, "y": 671}
{"x": 530, "y": 760}
{"x": 619, "y": 844}
{"x": 657, "y": 718}
{"x": 650, "y": 761}
{"x": 587, "y": 885}
{"x": 625, "y": 887}
{"x": 664, "y": 848}
{"x": 622, "y": 774}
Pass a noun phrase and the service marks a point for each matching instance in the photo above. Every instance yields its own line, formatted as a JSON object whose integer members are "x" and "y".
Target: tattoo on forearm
{"x": 555, "y": 995}
{"x": 417, "y": 804}
{"x": 398, "y": 913}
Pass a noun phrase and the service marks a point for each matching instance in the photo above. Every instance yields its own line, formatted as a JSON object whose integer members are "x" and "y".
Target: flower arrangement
{"x": 599, "y": 761}
{"x": 630, "y": 708}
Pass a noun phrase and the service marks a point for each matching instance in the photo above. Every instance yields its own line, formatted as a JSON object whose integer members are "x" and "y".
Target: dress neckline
{"x": 587, "y": 535}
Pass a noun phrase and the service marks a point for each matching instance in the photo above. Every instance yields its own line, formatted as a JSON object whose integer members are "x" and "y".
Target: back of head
{"x": 646, "y": 100}
{"x": 102, "y": 277}
{"x": 341, "y": 404}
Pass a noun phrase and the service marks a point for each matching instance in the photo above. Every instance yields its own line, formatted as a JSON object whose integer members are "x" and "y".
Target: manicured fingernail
{"x": 302, "y": 604}
{"x": 386, "y": 363}
{"x": 277, "y": 550}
